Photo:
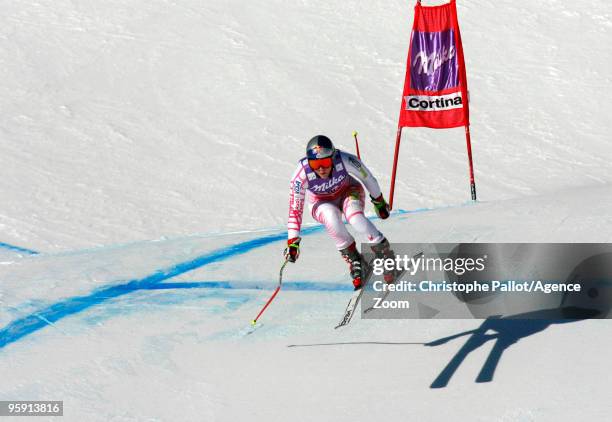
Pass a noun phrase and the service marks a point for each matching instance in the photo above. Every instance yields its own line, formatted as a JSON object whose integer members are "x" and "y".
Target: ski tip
{"x": 342, "y": 324}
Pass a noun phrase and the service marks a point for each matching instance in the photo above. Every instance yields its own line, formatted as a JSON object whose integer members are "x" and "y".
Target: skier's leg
{"x": 352, "y": 207}
{"x": 383, "y": 250}
{"x": 329, "y": 214}
{"x": 353, "y": 210}
{"x": 352, "y": 257}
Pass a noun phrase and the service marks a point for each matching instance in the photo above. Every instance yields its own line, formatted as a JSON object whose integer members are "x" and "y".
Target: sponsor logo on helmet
{"x": 320, "y": 151}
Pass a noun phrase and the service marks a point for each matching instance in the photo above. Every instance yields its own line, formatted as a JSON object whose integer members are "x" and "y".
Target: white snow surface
{"x": 146, "y": 154}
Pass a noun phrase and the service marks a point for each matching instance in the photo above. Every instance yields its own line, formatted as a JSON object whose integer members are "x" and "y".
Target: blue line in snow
{"x": 289, "y": 285}
{"x": 17, "y": 249}
{"x": 22, "y": 327}
{"x": 439, "y": 208}
{"x": 29, "y": 324}
{"x": 304, "y": 231}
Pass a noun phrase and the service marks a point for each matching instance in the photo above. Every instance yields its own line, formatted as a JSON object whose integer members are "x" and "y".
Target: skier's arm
{"x": 297, "y": 194}
{"x": 356, "y": 168}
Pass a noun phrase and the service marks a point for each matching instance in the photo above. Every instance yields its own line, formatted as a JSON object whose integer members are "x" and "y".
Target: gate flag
{"x": 435, "y": 88}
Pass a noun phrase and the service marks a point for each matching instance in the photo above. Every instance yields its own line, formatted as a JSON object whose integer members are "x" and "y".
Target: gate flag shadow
{"x": 507, "y": 331}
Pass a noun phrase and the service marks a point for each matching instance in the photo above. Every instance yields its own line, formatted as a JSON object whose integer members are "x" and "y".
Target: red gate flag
{"x": 435, "y": 88}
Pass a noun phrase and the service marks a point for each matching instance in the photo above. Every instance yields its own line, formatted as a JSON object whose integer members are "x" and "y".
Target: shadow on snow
{"x": 506, "y": 332}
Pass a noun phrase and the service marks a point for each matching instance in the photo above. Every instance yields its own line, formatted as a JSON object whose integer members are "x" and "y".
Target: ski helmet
{"x": 320, "y": 147}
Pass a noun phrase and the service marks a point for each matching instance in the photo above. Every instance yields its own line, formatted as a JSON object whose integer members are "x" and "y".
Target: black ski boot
{"x": 383, "y": 250}
{"x": 352, "y": 256}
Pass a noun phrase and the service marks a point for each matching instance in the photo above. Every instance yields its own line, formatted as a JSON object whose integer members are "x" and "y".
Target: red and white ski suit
{"x": 329, "y": 209}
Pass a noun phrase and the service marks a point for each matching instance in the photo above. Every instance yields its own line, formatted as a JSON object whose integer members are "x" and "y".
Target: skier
{"x": 332, "y": 180}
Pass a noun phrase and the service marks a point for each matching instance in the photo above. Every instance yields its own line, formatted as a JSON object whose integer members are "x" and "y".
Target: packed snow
{"x": 147, "y": 150}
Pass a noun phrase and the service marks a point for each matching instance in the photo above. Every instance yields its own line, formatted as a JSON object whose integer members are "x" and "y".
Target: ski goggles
{"x": 321, "y": 162}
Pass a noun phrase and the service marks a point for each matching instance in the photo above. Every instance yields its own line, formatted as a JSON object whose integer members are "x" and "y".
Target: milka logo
{"x": 327, "y": 185}
{"x": 429, "y": 64}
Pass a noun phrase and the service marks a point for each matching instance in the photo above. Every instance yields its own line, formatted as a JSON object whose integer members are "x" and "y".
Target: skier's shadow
{"x": 507, "y": 331}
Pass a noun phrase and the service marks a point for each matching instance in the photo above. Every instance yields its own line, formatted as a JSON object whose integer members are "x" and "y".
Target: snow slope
{"x": 159, "y": 331}
{"x": 146, "y": 153}
{"x": 132, "y": 120}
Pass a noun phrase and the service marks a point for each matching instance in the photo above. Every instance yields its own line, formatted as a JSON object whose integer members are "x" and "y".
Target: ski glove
{"x": 292, "y": 251}
{"x": 381, "y": 207}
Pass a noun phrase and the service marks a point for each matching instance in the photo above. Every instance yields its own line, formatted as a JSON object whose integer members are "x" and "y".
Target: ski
{"x": 396, "y": 278}
{"x": 354, "y": 301}
{"x": 350, "y": 308}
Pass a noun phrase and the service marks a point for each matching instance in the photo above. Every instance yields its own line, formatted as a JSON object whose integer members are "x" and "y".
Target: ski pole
{"x": 280, "y": 282}
{"x": 356, "y": 143}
